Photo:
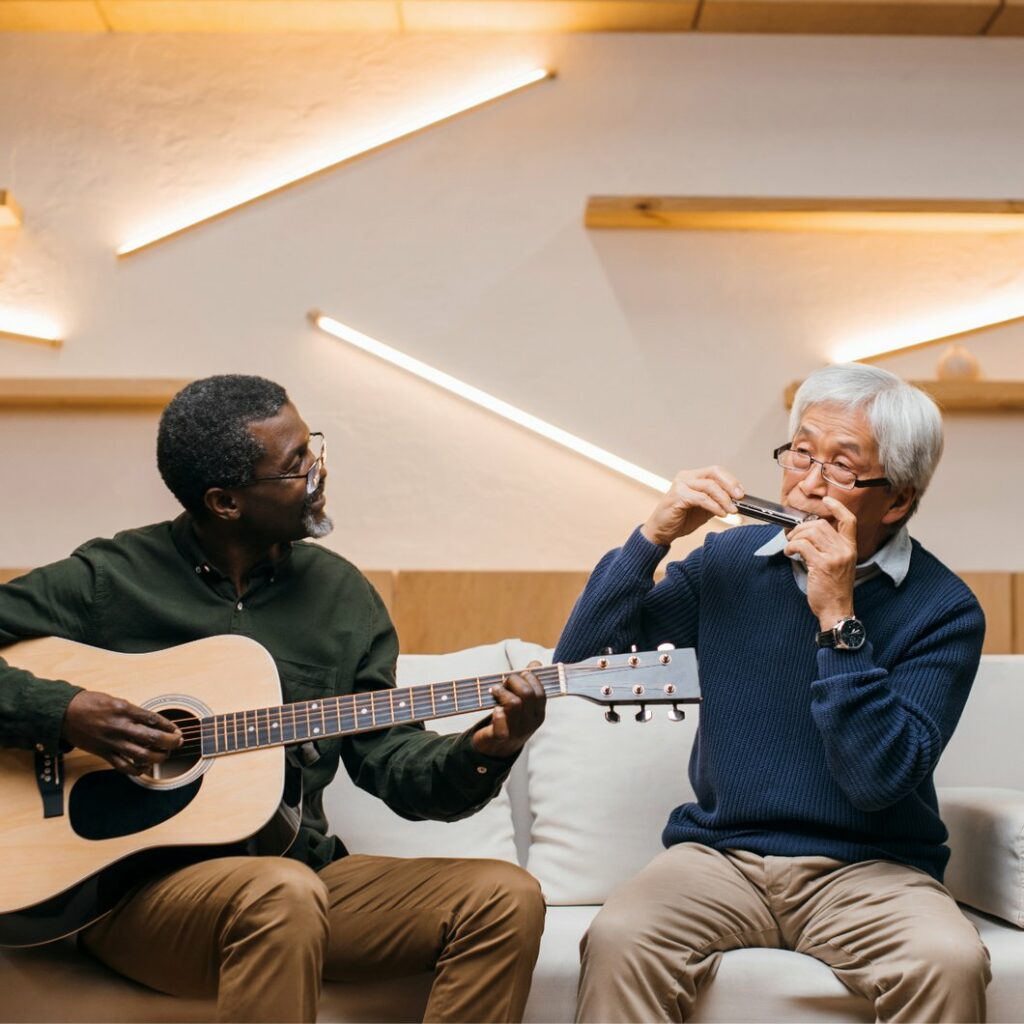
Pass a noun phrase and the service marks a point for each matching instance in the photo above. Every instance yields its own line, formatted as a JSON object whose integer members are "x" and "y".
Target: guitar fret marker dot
{"x": 273, "y": 725}
{"x": 313, "y": 707}
{"x": 316, "y": 729}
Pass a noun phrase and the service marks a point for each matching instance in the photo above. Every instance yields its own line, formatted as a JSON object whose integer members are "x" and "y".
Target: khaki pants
{"x": 259, "y": 933}
{"x": 890, "y": 933}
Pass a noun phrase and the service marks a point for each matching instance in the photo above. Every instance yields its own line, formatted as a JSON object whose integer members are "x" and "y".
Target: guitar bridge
{"x": 50, "y": 780}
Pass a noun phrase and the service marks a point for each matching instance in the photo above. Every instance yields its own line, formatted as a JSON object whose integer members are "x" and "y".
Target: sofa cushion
{"x": 368, "y": 825}
{"x": 986, "y": 840}
{"x": 985, "y": 748}
{"x": 600, "y": 794}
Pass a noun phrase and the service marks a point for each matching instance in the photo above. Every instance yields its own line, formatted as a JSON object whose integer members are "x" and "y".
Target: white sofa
{"x": 584, "y": 809}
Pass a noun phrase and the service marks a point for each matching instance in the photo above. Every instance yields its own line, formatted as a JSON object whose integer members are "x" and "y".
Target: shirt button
{"x": 481, "y": 770}
{"x": 199, "y": 570}
{"x": 238, "y": 607}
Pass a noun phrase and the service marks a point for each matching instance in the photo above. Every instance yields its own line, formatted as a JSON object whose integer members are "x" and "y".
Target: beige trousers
{"x": 259, "y": 933}
{"x": 890, "y": 933}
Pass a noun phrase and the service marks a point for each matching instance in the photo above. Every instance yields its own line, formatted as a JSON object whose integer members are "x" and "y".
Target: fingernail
{"x": 737, "y": 492}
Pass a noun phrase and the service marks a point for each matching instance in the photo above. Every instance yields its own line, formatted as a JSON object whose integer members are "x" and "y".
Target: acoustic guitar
{"x": 75, "y": 835}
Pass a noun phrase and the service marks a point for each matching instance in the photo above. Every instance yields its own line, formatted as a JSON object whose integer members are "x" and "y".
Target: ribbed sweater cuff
{"x": 638, "y": 557}
{"x": 845, "y": 663}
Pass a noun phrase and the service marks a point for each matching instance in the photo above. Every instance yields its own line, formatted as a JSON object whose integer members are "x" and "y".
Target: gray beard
{"x": 316, "y": 524}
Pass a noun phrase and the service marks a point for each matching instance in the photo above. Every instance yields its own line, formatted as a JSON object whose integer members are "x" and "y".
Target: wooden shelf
{"x": 92, "y": 393}
{"x": 745, "y": 213}
{"x": 10, "y": 211}
{"x": 985, "y": 396}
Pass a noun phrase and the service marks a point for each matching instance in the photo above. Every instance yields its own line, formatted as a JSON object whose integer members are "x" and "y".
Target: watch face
{"x": 852, "y": 634}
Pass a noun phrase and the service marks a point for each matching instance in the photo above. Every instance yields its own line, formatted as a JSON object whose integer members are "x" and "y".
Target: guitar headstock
{"x": 664, "y": 676}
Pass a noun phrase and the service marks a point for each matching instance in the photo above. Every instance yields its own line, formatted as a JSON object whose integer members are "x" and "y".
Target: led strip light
{"x": 225, "y": 203}
{"x": 509, "y": 412}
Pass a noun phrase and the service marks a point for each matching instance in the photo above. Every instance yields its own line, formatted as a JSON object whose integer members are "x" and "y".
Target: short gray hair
{"x": 905, "y": 422}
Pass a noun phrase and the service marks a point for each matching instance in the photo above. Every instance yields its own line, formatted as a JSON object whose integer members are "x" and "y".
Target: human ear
{"x": 221, "y": 504}
{"x": 900, "y": 503}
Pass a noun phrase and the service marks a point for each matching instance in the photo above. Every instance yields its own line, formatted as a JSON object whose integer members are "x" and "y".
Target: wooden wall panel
{"x": 1018, "y": 613}
{"x": 447, "y": 611}
{"x": 436, "y": 612}
{"x": 994, "y": 591}
{"x": 383, "y": 581}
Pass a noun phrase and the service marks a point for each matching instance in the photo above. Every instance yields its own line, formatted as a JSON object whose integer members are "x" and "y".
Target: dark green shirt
{"x": 318, "y": 616}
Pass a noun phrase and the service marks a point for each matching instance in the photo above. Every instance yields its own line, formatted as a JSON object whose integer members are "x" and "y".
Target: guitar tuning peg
{"x": 608, "y": 650}
{"x": 666, "y": 647}
{"x": 611, "y": 715}
{"x": 644, "y": 714}
{"x": 676, "y": 714}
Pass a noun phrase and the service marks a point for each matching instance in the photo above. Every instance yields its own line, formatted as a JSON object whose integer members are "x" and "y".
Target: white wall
{"x": 465, "y": 247}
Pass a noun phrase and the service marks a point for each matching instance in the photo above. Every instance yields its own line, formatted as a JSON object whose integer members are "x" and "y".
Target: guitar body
{"x": 60, "y": 873}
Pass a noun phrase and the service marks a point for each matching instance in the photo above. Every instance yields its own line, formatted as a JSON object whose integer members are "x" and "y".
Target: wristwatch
{"x": 846, "y": 635}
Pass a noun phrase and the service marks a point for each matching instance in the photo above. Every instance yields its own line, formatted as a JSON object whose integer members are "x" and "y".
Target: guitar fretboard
{"x": 352, "y": 713}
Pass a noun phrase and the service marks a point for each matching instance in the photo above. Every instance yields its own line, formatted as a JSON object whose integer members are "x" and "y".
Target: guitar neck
{"x": 358, "y": 712}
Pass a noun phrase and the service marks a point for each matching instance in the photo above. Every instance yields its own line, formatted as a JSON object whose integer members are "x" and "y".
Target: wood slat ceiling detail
{"x": 856, "y": 17}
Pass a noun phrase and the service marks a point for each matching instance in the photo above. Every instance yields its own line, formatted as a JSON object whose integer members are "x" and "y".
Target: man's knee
{"x": 954, "y": 959}
{"x": 614, "y": 934}
{"x": 512, "y": 894}
{"x": 282, "y": 895}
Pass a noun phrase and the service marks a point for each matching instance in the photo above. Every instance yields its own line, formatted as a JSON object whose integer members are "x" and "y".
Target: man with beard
{"x": 259, "y": 933}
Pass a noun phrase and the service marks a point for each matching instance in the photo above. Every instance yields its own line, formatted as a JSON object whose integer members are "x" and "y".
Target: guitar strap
{"x": 50, "y": 780}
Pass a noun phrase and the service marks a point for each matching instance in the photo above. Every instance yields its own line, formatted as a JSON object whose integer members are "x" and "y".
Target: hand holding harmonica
{"x": 694, "y": 497}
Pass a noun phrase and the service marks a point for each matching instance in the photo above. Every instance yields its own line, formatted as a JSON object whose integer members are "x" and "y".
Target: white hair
{"x": 905, "y": 422}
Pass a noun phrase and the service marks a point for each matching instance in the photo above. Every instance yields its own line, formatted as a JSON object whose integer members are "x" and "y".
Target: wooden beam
{"x": 50, "y": 16}
{"x": 979, "y": 396}
{"x": 10, "y": 211}
{"x": 251, "y": 15}
{"x": 87, "y": 393}
{"x": 849, "y": 17}
{"x": 548, "y": 15}
{"x": 747, "y": 213}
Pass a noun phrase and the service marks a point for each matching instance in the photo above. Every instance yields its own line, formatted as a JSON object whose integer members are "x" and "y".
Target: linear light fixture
{"x": 167, "y": 227}
{"x": 29, "y": 328}
{"x": 949, "y": 326}
{"x": 391, "y": 355}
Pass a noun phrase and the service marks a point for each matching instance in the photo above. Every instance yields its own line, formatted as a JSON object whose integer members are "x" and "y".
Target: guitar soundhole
{"x": 186, "y": 757}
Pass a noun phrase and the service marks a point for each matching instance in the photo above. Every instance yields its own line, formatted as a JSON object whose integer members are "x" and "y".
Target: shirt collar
{"x": 187, "y": 543}
{"x": 892, "y": 558}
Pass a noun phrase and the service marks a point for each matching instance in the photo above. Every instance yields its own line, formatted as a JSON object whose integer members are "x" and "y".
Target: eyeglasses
{"x": 312, "y": 475}
{"x": 801, "y": 462}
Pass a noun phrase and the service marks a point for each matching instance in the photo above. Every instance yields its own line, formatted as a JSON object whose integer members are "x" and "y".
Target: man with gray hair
{"x": 835, "y": 660}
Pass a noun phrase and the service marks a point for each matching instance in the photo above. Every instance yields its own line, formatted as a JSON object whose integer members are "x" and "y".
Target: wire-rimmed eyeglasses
{"x": 315, "y": 472}
{"x": 841, "y": 476}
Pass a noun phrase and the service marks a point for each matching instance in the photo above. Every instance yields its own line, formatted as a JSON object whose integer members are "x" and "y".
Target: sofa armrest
{"x": 986, "y": 840}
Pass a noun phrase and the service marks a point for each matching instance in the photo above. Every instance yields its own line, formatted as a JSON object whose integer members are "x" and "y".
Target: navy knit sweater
{"x": 799, "y": 751}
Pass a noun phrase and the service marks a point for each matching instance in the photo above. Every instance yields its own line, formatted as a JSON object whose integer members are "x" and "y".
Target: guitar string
{"x": 460, "y": 687}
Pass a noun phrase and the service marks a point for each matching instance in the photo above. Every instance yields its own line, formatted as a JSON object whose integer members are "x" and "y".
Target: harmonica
{"x": 771, "y": 511}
